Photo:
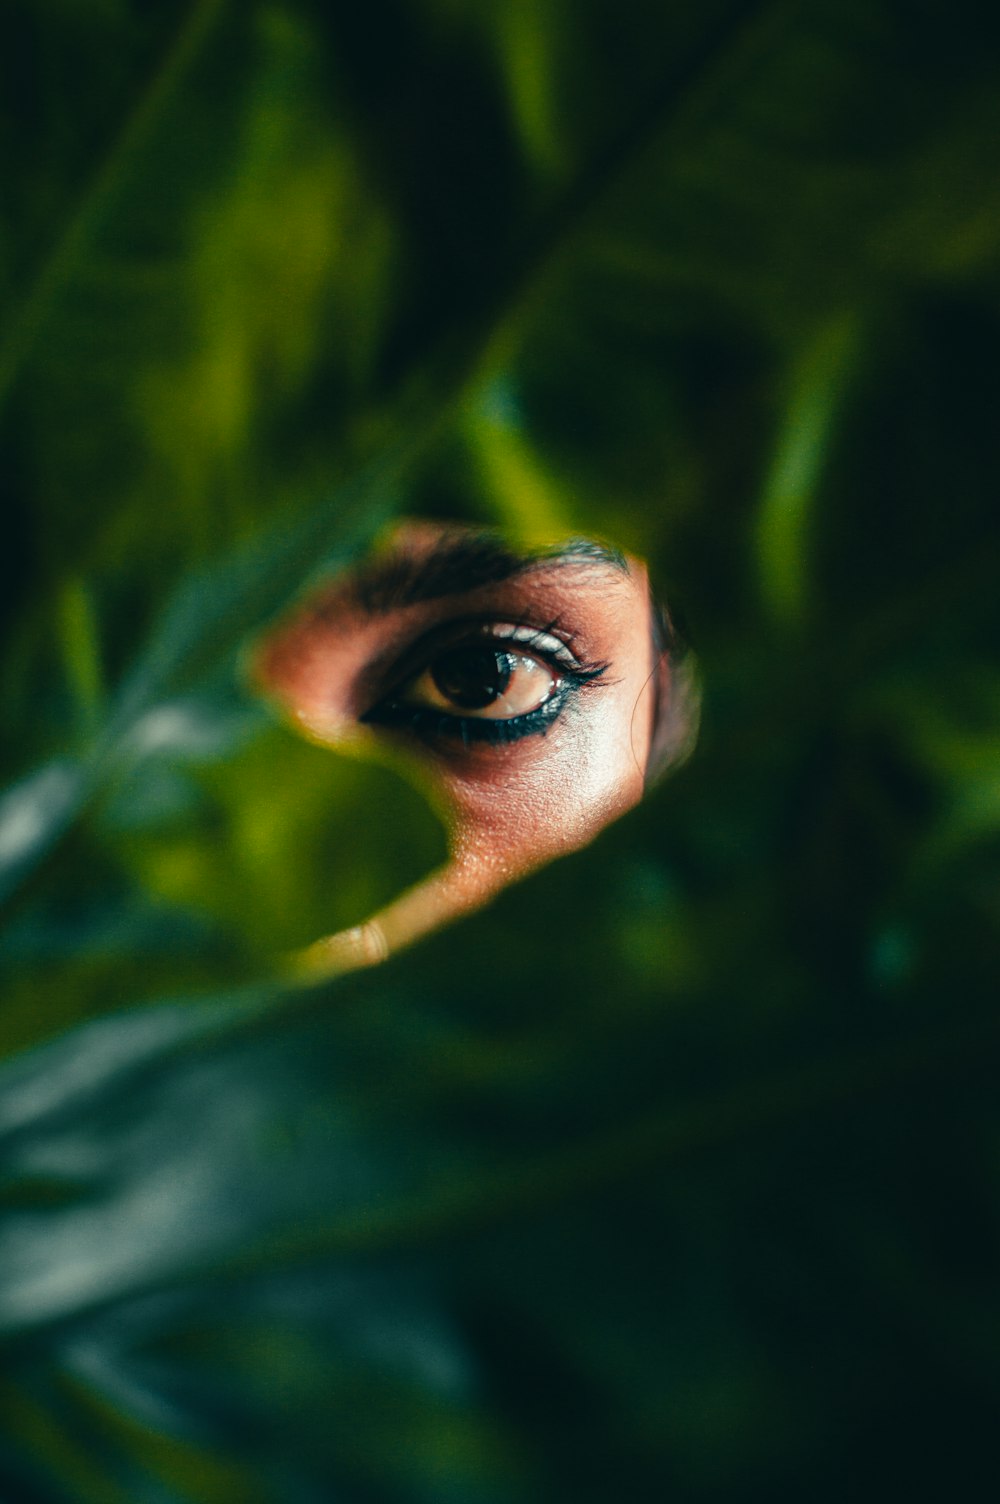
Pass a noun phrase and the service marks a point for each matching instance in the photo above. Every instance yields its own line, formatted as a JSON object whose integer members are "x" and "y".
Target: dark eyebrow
{"x": 464, "y": 561}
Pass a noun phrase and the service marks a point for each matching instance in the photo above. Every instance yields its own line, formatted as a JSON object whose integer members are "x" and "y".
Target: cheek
{"x": 292, "y": 670}
{"x": 311, "y": 672}
{"x": 518, "y": 818}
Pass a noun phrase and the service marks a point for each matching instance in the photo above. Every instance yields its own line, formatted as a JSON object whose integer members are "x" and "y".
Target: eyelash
{"x": 431, "y": 724}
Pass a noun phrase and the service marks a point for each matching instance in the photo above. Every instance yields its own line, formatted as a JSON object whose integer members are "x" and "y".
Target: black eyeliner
{"x": 431, "y": 724}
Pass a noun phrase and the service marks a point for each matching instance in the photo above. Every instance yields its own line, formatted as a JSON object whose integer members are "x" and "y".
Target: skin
{"x": 509, "y": 808}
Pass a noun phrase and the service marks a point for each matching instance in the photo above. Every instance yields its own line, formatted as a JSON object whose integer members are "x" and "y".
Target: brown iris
{"x": 473, "y": 677}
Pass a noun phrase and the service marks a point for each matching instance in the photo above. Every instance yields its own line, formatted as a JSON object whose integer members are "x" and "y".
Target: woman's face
{"x": 530, "y": 687}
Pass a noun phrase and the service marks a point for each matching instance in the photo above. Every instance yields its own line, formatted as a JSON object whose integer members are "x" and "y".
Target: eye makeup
{"x": 485, "y": 682}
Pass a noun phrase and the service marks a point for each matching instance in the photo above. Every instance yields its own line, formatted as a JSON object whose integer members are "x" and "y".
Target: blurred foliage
{"x": 674, "y": 1174}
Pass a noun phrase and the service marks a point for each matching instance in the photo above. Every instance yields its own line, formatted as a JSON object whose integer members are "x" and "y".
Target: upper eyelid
{"x": 416, "y": 655}
{"x": 536, "y": 594}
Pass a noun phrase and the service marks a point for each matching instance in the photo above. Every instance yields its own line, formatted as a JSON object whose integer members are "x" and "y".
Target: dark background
{"x": 674, "y": 1175}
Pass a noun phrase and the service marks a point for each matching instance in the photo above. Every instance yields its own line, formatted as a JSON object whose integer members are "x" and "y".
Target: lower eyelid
{"x": 430, "y": 724}
{"x": 551, "y": 643}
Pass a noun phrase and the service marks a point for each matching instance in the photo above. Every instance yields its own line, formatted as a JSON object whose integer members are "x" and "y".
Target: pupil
{"x": 472, "y": 677}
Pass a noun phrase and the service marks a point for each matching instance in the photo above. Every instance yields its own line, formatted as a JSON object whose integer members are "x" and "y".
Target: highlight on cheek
{"x": 540, "y": 693}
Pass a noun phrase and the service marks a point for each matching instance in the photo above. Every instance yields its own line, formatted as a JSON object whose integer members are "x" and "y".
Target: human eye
{"x": 537, "y": 694}
{"x": 490, "y": 683}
